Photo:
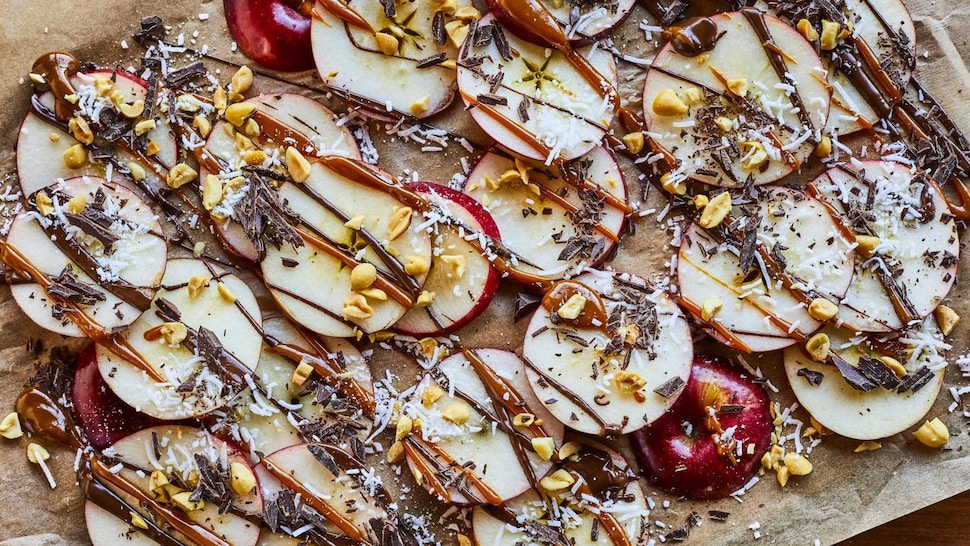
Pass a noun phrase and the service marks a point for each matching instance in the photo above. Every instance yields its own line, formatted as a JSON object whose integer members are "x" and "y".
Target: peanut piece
{"x": 255, "y": 157}
{"x": 196, "y": 284}
{"x": 629, "y": 382}
{"x": 242, "y": 80}
{"x": 456, "y": 265}
{"x": 237, "y": 113}
{"x": 755, "y": 155}
{"x": 634, "y": 142}
{"x": 523, "y": 419}
{"x": 182, "y": 501}
{"x": 725, "y": 124}
{"x": 568, "y": 450}
{"x": 545, "y": 447}
{"x": 933, "y": 433}
{"x": 81, "y": 130}
{"x": 807, "y": 30}
{"x": 37, "y": 453}
{"x": 44, "y": 204}
{"x": 894, "y": 365}
{"x": 362, "y": 276}
{"x": 399, "y": 223}
{"x": 144, "y": 126}
{"x": 458, "y": 413}
{"x": 220, "y": 100}
{"x": 386, "y": 43}
{"x": 251, "y": 128}
{"x": 867, "y": 244}
{"x": 710, "y": 307}
{"x": 701, "y": 201}
{"x": 356, "y": 307}
{"x": 203, "y": 125}
{"x": 137, "y": 520}
{"x": 211, "y": 191}
{"x": 467, "y": 13}
{"x": 180, "y": 175}
{"x": 10, "y": 426}
{"x": 431, "y": 394}
{"x": 354, "y": 223}
{"x": 297, "y": 165}
{"x": 868, "y": 445}
{"x": 152, "y": 148}
{"x": 824, "y": 147}
{"x": 75, "y": 157}
{"x": 301, "y": 373}
{"x": 557, "y": 481}
{"x": 132, "y": 110}
{"x": 797, "y": 464}
{"x": 822, "y": 309}
{"x": 226, "y": 292}
{"x": 830, "y": 35}
{"x": 716, "y": 210}
{"x": 738, "y": 86}
{"x": 374, "y": 294}
{"x": 782, "y": 474}
{"x": 416, "y": 265}
{"x": 421, "y": 105}
{"x": 946, "y": 319}
{"x": 395, "y": 453}
{"x": 137, "y": 171}
{"x": 818, "y": 347}
{"x": 425, "y": 298}
{"x": 173, "y": 332}
{"x": 241, "y": 478}
{"x": 667, "y": 103}
{"x": 404, "y": 426}
{"x": 457, "y": 31}
{"x": 572, "y": 307}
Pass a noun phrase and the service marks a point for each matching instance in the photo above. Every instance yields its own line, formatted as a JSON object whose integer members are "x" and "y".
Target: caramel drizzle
{"x": 432, "y": 460}
{"x": 577, "y": 400}
{"x": 347, "y": 14}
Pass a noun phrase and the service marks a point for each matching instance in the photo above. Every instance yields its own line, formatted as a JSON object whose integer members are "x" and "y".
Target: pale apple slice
{"x": 726, "y": 117}
{"x": 461, "y": 276}
{"x": 172, "y": 456}
{"x": 552, "y": 223}
{"x": 580, "y": 22}
{"x": 286, "y": 120}
{"x": 798, "y": 253}
{"x": 542, "y": 104}
{"x": 350, "y": 215}
{"x": 618, "y": 364}
{"x": 175, "y": 380}
{"x": 480, "y": 426}
{"x": 390, "y": 58}
{"x": 914, "y": 264}
{"x": 581, "y": 516}
{"x": 879, "y": 402}
{"x": 43, "y": 139}
{"x": 92, "y": 263}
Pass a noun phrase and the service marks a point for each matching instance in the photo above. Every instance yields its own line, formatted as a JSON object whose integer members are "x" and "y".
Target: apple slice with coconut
{"x": 360, "y": 229}
{"x": 727, "y": 118}
{"x": 483, "y": 436}
{"x": 607, "y": 353}
{"x": 86, "y": 258}
{"x": 391, "y": 57}
{"x": 187, "y": 355}
{"x": 793, "y": 253}
{"x": 274, "y": 33}
{"x": 906, "y": 237}
{"x": 552, "y": 221}
{"x": 47, "y": 150}
{"x": 197, "y": 478}
{"x": 580, "y": 22}
{"x": 603, "y": 501}
{"x": 250, "y": 167}
{"x": 711, "y": 441}
{"x": 539, "y": 103}
{"x": 461, "y": 275}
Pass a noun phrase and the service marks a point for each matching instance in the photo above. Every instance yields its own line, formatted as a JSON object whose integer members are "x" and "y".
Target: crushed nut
{"x": 395, "y": 453}
{"x": 421, "y": 105}
{"x": 79, "y": 127}
{"x": 629, "y": 382}
{"x": 818, "y": 347}
{"x": 152, "y": 148}
{"x": 226, "y": 292}
{"x": 571, "y": 308}
{"x": 137, "y": 520}
{"x": 754, "y": 155}
{"x": 830, "y": 35}
{"x": 255, "y": 157}
{"x": 237, "y": 113}
{"x": 568, "y": 450}
{"x": 725, "y": 124}
{"x": 356, "y": 307}
{"x": 173, "y": 332}
{"x": 399, "y": 222}
{"x": 386, "y": 43}
{"x": 242, "y": 80}
{"x": 425, "y": 298}
{"x": 701, "y": 201}
{"x": 211, "y": 191}
{"x": 355, "y": 223}
{"x": 797, "y": 464}
{"x": 457, "y": 264}
{"x": 301, "y": 373}
{"x": 183, "y": 501}
{"x": 634, "y": 142}
{"x": 807, "y": 30}
{"x": 946, "y": 319}
{"x": 868, "y": 445}
{"x": 710, "y": 307}
{"x": 463, "y": 540}
{"x": 557, "y": 481}
{"x": 144, "y": 126}
{"x": 404, "y": 426}
{"x": 362, "y": 276}
{"x": 75, "y": 157}
{"x": 782, "y": 474}
{"x": 137, "y": 171}
{"x": 416, "y": 265}
{"x": 667, "y": 103}
{"x": 196, "y": 284}
{"x": 297, "y": 165}
{"x": 457, "y": 31}
{"x": 251, "y": 128}
{"x": 822, "y": 309}
{"x": 738, "y": 86}
{"x": 241, "y": 478}
{"x": 203, "y": 125}
{"x": 693, "y": 95}
{"x": 933, "y": 433}
{"x": 10, "y": 426}
{"x": 37, "y": 453}
{"x": 894, "y": 365}
{"x": 431, "y": 394}
{"x": 44, "y": 204}
{"x": 716, "y": 210}
{"x": 180, "y": 175}
{"x": 132, "y": 110}
{"x": 824, "y": 147}
{"x": 458, "y": 413}
{"x": 523, "y": 419}
{"x": 545, "y": 447}
{"x": 374, "y": 294}
{"x": 867, "y": 244}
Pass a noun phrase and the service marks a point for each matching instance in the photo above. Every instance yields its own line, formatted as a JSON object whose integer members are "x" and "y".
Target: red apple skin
{"x": 274, "y": 33}
{"x": 100, "y": 414}
{"x": 690, "y": 466}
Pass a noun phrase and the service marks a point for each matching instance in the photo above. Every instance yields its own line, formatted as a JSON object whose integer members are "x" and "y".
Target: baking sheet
{"x": 846, "y": 494}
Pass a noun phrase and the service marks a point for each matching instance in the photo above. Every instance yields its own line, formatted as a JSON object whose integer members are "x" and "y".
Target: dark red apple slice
{"x": 461, "y": 276}
{"x": 727, "y": 118}
{"x": 580, "y": 23}
{"x": 914, "y": 265}
{"x": 467, "y": 408}
{"x": 95, "y": 286}
{"x": 549, "y": 223}
{"x": 541, "y": 104}
{"x": 178, "y": 447}
{"x": 710, "y": 442}
{"x": 220, "y": 302}
{"x": 274, "y": 33}
{"x": 616, "y": 365}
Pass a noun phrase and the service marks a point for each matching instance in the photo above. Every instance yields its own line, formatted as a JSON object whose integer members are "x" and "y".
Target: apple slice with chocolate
{"x": 868, "y": 388}
{"x": 607, "y": 352}
{"x": 86, "y": 257}
{"x": 907, "y": 241}
{"x": 753, "y": 277}
{"x": 189, "y": 353}
{"x": 292, "y": 129}
{"x": 362, "y": 231}
{"x": 391, "y": 57}
{"x": 482, "y": 435}
{"x": 580, "y": 22}
{"x": 274, "y": 33}
{"x": 538, "y": 103}
{"x": 728, "y": 118}
{"x": 195, "y": 478}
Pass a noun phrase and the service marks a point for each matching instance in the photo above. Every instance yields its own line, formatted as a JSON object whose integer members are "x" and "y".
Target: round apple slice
{"x": 798, "y": 253}
{"x": 604, "y": 502}
{"x": 483, "y": 436}
{"x": 287, "y": 120}
{"x": 88, "y": 257}
{"x": 42, "y": 141}
{"x": 868, "y": 395}
{"x": 168, "y": 463}
{"x": 217, "y": 318}
{"x": 607, "y": 353}
{"x": 727, "y": 118}
{"x": 552, "y": 224}
{"x": 907, "y": 239}
{"x": 580, "y": 22}
{"x": 542, "y": 104}
{"x": 352, "y": 218}
{"x": 391, "y": 58}
{"x": 461, "y": 276}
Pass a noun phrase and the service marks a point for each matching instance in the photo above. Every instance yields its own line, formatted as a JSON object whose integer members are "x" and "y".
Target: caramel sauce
{"x": 345, "y": 13}
{"x": 432, "y": 460}
{"x": 593, "y": 314}
{"x": 57, "y": 68}
{"x": 695, "y": 36}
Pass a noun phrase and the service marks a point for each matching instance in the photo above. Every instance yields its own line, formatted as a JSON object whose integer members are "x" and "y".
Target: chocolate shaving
{"x": 492, "y": 99}
{"x": 813, "y": 377}
{"x": 90, "y": 227}
{"x": 852, "y": 376}
{"x": 390, "y": 8}
{"x": 209, "y": 346}
{"x": 541, "y": 534}
{"x": 438, "y": 28}
{"x": 718, "y": 515}
{"x": 501, "y": 43}
{"x": 878, "y": 371}
{"x": 265, "y": 217}
{"x": 167, "y": 310}
{"x": 524, "y": 109}
{"x": 670, "y": 387}
{"x": 323, "y": 456}
{"x": 68, "y": 287}
{"x": 179, "y": 77}
{"x": 432, "y": 60}
{"x": 915, "y": 381}
{"x": 728, "y": 409}
{"x": 674, "y": 12}
{"x": 213, "y": 482}
{"x": 288, "y": 262}
{"x": 525, "y": 304}
{"x": 482, "y": 36}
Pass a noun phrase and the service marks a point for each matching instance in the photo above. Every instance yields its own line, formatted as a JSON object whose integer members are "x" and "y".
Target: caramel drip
{"x": 593, "y": 313}
{"x": 345, "y": 13}
{"x": 45, "y": 417}
{"x": 425, "y": 453}
{"x": 57, "y": 68}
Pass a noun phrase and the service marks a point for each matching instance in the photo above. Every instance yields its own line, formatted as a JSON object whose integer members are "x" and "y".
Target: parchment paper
{"x": 847, "y": 493}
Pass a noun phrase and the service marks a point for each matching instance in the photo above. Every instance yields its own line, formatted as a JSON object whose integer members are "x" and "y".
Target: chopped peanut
{"x": 75, "y": 157}
{"x": 241, "y": 478}
{"x": 545, "y": 447}
{"x": 297, "y": 165}
{"x": 946, "y": 318}
{"x": 822, "y": 309}
{"x": 399, "y": 222}
{"x": 716, "y": 210}
{"x": 362, "y": 276}
{"x": 572, "y": 307}
{"x": 818, "y": 347}
{"x": 458, "y": 413}
{"x": 667, "y": 103}
{"x": 10, "y": 427}
{"x": 933, "y": 433}
{"x": 242, "y": 80}
{"x": 180, "y": 175}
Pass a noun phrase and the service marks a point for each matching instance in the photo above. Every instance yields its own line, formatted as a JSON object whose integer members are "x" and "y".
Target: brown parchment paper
{"x": 846, "y": 494}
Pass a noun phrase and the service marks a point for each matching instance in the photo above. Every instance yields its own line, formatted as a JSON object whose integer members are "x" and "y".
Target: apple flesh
{"x": 679, "y": 453}
{"x": 592, "y": 20}
{"x": 274, "y": 33}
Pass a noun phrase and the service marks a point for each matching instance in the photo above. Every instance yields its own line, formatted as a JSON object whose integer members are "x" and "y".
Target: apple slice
{"x": 580, "y": 22}
{"x": 274, "y": 33}
{"x": 169, "y": 379}
{"x": 904, "y": 216}
{"x": 798, "y": 253}
{"x": 605, "y": 502}
{"x": 44, "y": 139}
{"x": 286, "y": 120}
{"x": 607, "y": 352}
{"x": 480, "y": 429}
{"x": 352, "y": 218}
{"x": 880, "y": 401}
{"x": 551, "y": 223}
{"x": 165, "y": 464}
{"x": 727, "y": 118}
{"x": 389, "y": 57}
{"x": 91, "y": 264}
{"x": 461, "y": 276}
{"x": 542, "y": 104}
